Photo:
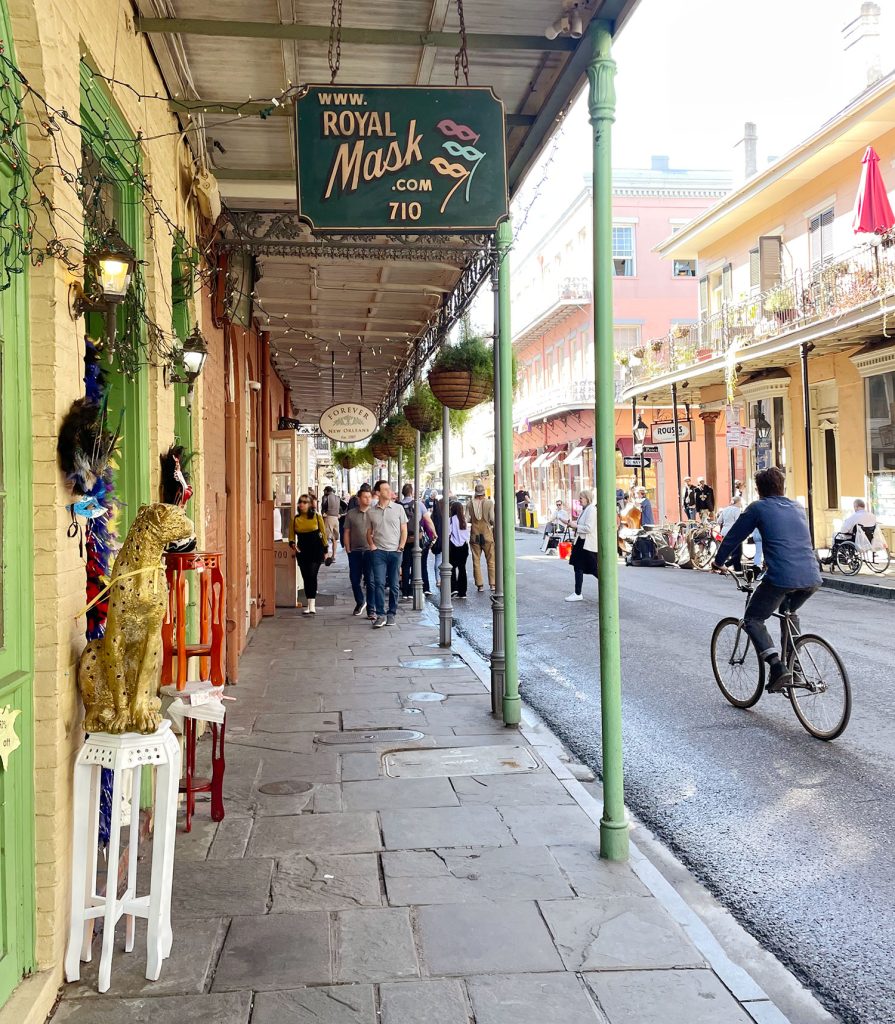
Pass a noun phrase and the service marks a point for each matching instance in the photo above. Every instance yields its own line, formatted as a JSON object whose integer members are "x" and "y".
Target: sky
{"x": 692, "y": 72}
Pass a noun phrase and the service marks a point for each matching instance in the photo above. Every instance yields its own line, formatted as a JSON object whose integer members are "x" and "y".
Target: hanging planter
{"x": 462, "y": 375}
{"x": 399, "y": 431}
{"x": 383, "y": 447}
{"x": 347, "y": 458}
{"x": 423, "y": 410}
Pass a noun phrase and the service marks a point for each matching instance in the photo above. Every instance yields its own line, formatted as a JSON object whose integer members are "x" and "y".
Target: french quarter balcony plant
{"x": 462, "y": 375}
{"x": 397, "y": 429}
{"x": 422, "y": 409}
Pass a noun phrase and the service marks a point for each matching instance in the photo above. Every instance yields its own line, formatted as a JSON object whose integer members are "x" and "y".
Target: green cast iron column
{"x": 601, "y": 104}
{"x": 512, "y": 705}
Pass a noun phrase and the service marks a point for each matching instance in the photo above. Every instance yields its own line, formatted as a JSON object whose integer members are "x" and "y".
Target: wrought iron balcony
{"x": 539, "y": 312}
{"x": 553, "y": 401}
{"x": 828, "y": 292}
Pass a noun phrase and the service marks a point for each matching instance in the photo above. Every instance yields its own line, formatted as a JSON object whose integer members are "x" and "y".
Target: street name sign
{"x": 650, "y": 449}
{"x": 399, "y": 159}
{"x": 663, "y": 433}
{"x": 635, "y": 461}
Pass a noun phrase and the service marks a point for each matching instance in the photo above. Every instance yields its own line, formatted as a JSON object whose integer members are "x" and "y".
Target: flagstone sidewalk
{"x": 364, "y": 877}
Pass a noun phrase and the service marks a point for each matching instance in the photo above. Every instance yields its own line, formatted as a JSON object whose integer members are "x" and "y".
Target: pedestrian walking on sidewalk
{"x": 354, "y": 541}
{"x": 418, "y": 518}
{"x": 705, "y": 499}
{"x": 583, "y": 558}
{"x": 386, "y": 538}
{"x": 688, "y": 498}
{"x": 481, "y": 535}
{"x": 726, "y": 518}
{"x": 307, "y": 538}
{"x": 458, "y": 550}
{"x": 331, "y": 509}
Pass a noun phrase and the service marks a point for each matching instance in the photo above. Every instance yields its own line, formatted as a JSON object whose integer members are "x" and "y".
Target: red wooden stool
{"x": 209, "y": 649}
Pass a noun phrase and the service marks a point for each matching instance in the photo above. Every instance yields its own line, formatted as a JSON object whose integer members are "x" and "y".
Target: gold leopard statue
{"x": 118, "y": 674}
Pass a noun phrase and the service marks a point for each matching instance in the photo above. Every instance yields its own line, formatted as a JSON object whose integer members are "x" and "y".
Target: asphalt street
{"x": 795, "y": 836}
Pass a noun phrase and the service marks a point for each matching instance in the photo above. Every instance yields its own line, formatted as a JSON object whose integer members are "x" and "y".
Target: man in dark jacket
{"x": 705, "y": 498}
{"x": 792, "y": 574}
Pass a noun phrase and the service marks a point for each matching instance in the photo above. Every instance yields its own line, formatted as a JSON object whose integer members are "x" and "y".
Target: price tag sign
{"x": 9, "y": 741}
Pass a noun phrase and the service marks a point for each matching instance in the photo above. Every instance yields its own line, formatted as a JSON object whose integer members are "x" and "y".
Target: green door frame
{"x": 17, "y": 851}
{"x": 130, "y": 394}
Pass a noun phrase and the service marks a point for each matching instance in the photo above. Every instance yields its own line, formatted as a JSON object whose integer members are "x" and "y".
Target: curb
{"x": 751, "y": 996}
{"x": 528, "y": 529}
{"x": 859, "y": 589}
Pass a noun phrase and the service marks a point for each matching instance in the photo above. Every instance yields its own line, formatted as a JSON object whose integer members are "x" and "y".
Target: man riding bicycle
{"x": 792, "y": 574}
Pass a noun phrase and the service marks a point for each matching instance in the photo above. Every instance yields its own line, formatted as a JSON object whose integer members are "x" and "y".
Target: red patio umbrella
{"x": 873, "y": 212}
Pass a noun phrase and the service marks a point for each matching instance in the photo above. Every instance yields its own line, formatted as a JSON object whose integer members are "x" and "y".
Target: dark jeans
{"x": 407, "y": 569}
{"x": 766, "y": 600}
{"x": 309, "y": 566}
{"x": 458, "y": 569}
{"x": 359, "y": 572}
{"x": 689, "y": 512}
{"x": 385, "y": 566}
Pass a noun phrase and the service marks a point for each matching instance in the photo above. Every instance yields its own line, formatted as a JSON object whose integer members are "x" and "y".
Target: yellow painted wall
{"x": 49, "y": 38}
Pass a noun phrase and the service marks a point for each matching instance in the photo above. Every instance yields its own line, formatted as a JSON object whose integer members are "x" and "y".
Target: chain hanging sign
{"x": 395, "y": 159}
{"x": 348, "y": 422}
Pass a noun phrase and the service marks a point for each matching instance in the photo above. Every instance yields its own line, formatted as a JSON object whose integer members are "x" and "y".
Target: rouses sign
{"x": 401, "y": 159}
{"x": 663, "y": 433}
{"x": 348, "y": 422}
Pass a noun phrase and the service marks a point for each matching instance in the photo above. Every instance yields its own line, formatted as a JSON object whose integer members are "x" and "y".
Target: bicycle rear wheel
{"x": 739, "y": 672}
{"x": 878, "y": 560}
{"x": 822, "y": 699}
{"x": 848, "y": 561}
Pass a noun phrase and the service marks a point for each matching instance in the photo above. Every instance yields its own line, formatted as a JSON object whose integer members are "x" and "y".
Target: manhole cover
{"x": 418, "y": 698}
{"x": 288, "y": 787}
{"x": 372, "y": 736}
{"x": 446, "y": 761}
{"x": 432, "y": 663}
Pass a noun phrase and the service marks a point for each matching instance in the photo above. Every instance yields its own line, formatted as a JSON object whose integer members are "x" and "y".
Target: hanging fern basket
{"x": 422, "y": 418}
{"x": 403, "y": 435}
{"x": 459, "y": 389}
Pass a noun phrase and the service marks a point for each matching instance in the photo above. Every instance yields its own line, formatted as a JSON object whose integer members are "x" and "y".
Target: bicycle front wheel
{"x": 739, "y": 672}
{"x": 702, "y": 550}
{"x": 821, "y": 696}
{"x": 848, "y": 561}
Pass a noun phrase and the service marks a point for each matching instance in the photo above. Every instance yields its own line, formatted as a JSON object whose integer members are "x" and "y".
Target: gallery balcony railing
{"x": 827, "y": 292}
{"x": 575, "y": 394}
{"x": 540, "y": 309}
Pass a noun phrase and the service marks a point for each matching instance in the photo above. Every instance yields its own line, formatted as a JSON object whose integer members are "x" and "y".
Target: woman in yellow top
{"x": 307, "y": 538}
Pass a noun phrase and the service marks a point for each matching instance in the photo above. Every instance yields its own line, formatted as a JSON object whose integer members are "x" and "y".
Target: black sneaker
{"x": 781, "y": 678}
{"x": 359, "y": 608}
{"x": 390, "y": 621}
{"x": 380, "y": 622}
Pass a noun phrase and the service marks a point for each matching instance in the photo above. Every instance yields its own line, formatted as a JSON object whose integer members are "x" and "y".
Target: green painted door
{"x": 16, "y": 623}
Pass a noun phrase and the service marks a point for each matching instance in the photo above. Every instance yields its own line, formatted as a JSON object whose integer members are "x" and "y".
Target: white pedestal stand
{"x": 118, "y": 753}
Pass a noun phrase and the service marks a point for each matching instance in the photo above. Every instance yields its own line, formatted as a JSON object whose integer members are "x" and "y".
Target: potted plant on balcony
{"x": 462, "y": 375}
{"x": 422, "y": 409}
{"x": 639, "y": 353}
{"x": 623, "y": 359}
{"x": 656, "y": 345}
{"x": 781, "y": 303}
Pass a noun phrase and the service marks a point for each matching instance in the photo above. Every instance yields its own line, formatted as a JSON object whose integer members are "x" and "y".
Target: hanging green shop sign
{"x": 397, "y": 159}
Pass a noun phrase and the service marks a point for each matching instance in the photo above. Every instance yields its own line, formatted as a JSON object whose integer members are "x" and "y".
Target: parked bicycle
{"x": 702, "y": 542}
{"x": 821, "y": 691}
{"x": 847, "y": 557}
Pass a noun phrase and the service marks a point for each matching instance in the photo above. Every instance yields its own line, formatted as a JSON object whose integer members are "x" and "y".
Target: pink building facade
{"x": 554, "y": 345}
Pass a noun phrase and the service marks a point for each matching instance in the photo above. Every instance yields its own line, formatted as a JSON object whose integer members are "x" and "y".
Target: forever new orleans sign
{"x": 400, "y": 159}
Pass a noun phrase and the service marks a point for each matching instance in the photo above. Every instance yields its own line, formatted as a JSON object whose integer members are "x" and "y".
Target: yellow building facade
{"x": 788, "y": 293}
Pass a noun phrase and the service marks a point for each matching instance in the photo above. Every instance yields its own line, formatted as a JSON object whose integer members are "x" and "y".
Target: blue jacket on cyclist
{"x": 788, "y": 551}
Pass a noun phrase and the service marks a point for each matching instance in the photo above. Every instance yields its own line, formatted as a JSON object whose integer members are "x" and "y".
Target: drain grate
{"x": 443, "y": 663}
{"x": 418, "y": 698}
{"x": 370, "y": 736}
{"x": 288, "y": 787}
{"x": 441, "y": 762}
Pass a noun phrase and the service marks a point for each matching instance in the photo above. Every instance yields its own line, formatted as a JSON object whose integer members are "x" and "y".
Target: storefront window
{"x": 779, "y": 436}
{"x": 880, "y": 394}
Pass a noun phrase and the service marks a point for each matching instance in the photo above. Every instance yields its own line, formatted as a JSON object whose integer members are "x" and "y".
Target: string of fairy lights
{"x": 35, "y": 228}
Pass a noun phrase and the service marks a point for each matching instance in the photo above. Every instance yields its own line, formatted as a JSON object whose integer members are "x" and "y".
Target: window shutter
{"x": 703, "y": 297}
{"x": 754, "y": 270}
{"x": 727, "y": 282}
{"x": 769, "y": 261}
{"x": 826, "y": 235}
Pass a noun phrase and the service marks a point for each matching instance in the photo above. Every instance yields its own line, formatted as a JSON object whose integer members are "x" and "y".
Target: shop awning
{"x": 522, "y": 460}
{"x": 540, "y": 460}
{"x": 626, "y": 446}
{"x": 551, "y": 458}
{"x": 575, "y": 455}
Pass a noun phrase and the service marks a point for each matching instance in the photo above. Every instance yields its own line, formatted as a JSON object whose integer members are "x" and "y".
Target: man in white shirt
{"x": 726, "y": 518}
{"x": 860, "y": 517}
{"x": 386, "y": 537}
